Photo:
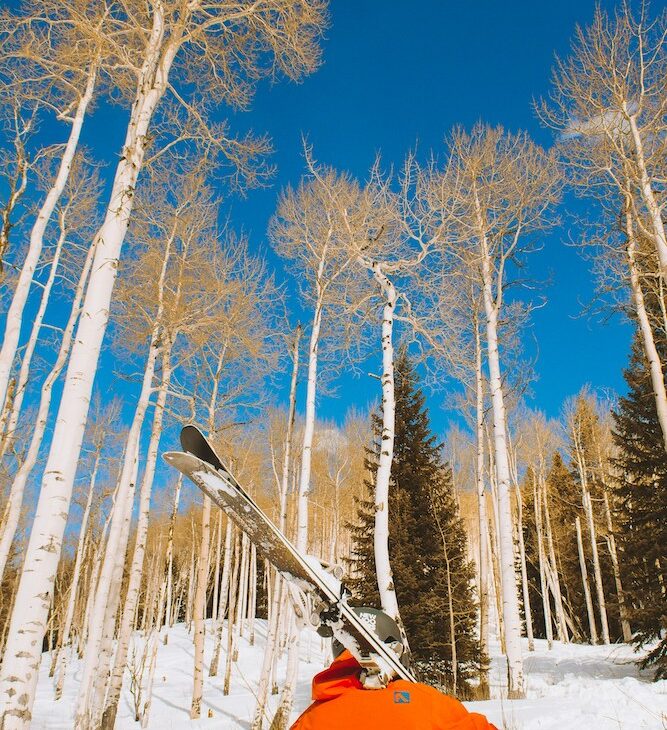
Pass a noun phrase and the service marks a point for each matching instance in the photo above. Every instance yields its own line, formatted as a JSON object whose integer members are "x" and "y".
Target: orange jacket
{"x": 342, "y": 702}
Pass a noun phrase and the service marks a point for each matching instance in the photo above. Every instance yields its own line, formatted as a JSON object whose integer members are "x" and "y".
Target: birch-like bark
{"x": 21, "y": 478}
{"x": 587, "y": 505}
{"x": 232, "y": 613}
{"x": 309, "y": 425}
{"x": 168, "y": 615}
{"x": 584, "y": 579}
{"x": 271, "y": 649}
{"x": 381, "y": 529}
{"x": 522, "y": 548}
{"x": 216, "y": 567}
{"x": 93, "y": 580}
{"x": 202, "y": 575}
{"x": 280, "y": 720}
{"x": 546, "y": 605}
{"x": 511, "y": 617}
{"x": 15, "y": 312}
{"x": 136, "y": 568}
{"x": 599, "y": 587}
{"x": 26, "y": 361}
{"x": 611, "y": 542}
{"x": 285, "y": 706}
{"x": 483, "y": 520}
{"x": 648, "y": 194}
{"x": 524, "y": 572}
{"x": 650, "y": 349}
{"x": 224, "y": 593}
{"x": 242, "y": 594}
{"x": 98, "y": 649}
{"x": 89, "y": 707}
{"x": 200, "y": 611}
{"x": 552, "y": 562}
{"x": 450, "y": 598}
{"x": 22, "y": 654}
{"x": 74, "y": 586}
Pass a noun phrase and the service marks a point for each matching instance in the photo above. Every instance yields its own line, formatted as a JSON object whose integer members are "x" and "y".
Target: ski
{"x": 206, "y": 470}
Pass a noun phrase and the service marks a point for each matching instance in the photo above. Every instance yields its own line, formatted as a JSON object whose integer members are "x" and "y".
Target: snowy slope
{"x": 570, "y": 688}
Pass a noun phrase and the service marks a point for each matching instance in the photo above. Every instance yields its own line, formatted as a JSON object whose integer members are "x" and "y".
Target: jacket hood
{"x": 342, "y": 676}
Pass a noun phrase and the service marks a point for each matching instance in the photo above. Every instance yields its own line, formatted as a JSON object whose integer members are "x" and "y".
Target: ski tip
{"x": 173, "y": 457}
{"x": 188, "y": 432}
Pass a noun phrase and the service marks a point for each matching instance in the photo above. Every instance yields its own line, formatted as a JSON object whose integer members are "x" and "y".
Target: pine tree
{"x": 427, "y": 543}
{"x": 642, "y": 514}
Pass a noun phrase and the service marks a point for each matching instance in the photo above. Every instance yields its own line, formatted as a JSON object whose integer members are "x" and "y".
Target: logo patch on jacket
{"x": 401, "y": 698}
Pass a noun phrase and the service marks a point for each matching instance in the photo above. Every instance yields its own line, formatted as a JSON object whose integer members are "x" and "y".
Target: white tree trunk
{"x": 599, "y": 587}
{"x": 308, "y": 431}
{"x": 483, "y": 521}
{"x": 216, "y": 566}
{"x": 650, "y": 349}
{"x": 136, "y": 568}
{"x": 652, "y": 206}
{"x": 287, "y": 454}
{"x": 26, "y": 361}
{"x": 21, "y": 478}
{"x": 587, "y": 505}
{"x": 552, "y": 563}
{"x": 511, "y": 617}
{"x": 611, "y": 541}
{"x": 381, "y": 529}
{"x": 74, "y": 586}
{"x": 116, "y": 544}
{"x": 168, "y": 616}
{"x": 20, "y": 297}
{"x": 546, "y": 605}
{"x": 524, "y": 573}
{"x": 224, "y": 594}
{"x": 200, "y": 611}
{"x": 90, "y": 707}
{"x": 276, "y": 603}
{"x": 584, "y": 579}
{"x": 28, "y": 624}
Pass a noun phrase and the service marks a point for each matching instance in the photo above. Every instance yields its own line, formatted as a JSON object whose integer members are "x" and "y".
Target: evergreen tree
{"x": 642, "y": 512}
{"x": 427, "y": 543}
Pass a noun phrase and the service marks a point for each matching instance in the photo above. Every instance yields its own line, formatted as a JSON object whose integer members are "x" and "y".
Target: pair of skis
{"x": 199, "y": 462}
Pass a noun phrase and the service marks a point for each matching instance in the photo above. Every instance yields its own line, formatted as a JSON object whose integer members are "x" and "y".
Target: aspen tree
{"x": 604, "y": 453}
{"x": 271, "y": 650}
{"x": 500, "y": 188}
{"x": 512, "y": 453}
{"x": 47, "y": 53}
{"x": 608, "y": 104}
{"x": 306, "y": 230}
{"x": 21, "y": 477}
{"x": 14, "y": 169}
{"x": 75, "y": 212}
{"x": 584, "y": 579}
{"x": 181, "y": 225}
{"x": 283, "y": 38}
{"x": 99, "y": 428}
{"x": 580, "y": 423}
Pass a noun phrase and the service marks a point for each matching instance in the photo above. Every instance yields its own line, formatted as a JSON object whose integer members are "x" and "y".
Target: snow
{"x": 572, "y": 687}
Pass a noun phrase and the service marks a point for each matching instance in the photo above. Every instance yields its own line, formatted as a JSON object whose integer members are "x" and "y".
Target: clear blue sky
{"x": 396, "y": 73}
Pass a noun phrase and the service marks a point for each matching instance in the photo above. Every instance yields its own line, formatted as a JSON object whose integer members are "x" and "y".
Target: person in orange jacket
{"x": 341, "y": 700}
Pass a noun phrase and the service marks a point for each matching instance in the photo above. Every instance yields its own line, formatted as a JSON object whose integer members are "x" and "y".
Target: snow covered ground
{"x": 569, "y": 688}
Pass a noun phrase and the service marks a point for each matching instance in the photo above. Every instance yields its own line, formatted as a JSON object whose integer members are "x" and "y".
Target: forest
{"x": 133, "y": 303}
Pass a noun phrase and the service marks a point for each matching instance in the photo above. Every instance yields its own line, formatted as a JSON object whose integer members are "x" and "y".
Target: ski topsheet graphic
{"x": 205, "y": 469}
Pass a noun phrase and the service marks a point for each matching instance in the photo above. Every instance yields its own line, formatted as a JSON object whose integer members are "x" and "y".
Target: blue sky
{"x": 398, "y": 73}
